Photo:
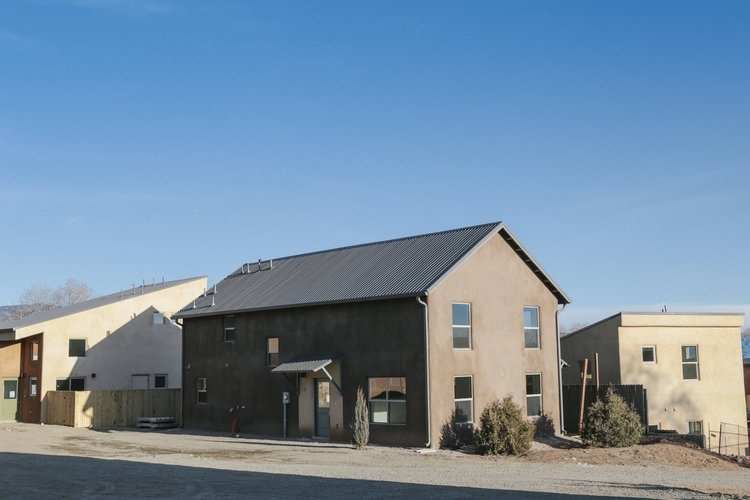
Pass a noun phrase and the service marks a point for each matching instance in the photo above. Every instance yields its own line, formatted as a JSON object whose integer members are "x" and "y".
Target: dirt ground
{"x": 54, "y": 461}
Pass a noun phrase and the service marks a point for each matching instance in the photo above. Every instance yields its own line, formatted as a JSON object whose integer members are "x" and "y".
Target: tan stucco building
{"x": 124, "y": 340}
{"x": 426, "y": 325}
{"x": 690, "y": 365}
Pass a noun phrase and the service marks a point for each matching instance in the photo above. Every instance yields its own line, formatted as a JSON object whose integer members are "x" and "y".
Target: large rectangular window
{"x": 461, "y": 326}
{"x": 201, "y": 391}
{"x": 690, "y": 362}
{"x": 534, "y": 394}
{"x": 272, "y": 351}
{"x": 229, "y": 332}
{"x": 77, "y": 348}
{"x": 463, "y": 395}
{"x": 387, "y": 400}
{"x": 70, "y": 384}
{"x": 531, "y": 327}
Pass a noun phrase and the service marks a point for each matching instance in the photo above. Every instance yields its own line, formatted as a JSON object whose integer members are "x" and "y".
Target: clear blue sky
{"x": 142, "y": 139}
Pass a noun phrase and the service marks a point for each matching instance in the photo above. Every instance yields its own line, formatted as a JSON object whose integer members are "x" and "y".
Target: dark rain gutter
{"x": 427, "y": 366}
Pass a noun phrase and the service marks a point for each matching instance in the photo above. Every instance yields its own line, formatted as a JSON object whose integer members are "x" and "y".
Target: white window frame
{"x": 201, "y": 388}
{"x": 470, "y": 399}
{"x": 532, "y": 328}
{"x": 688, "y": 362}
{"x": 230, "y": 329}
{"x": 460, "y": 326}
{"x": 653, "y": 352}
{"x": 534, "y": 396}
{"x": 33, "y": 386}
{"x": 166, "y": 381}
{"x": 158, "y": 318}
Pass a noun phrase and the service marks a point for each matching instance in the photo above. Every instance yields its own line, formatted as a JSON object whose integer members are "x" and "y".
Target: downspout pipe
{"x": 427, "y": 367}
{"x": 559, "y": 369}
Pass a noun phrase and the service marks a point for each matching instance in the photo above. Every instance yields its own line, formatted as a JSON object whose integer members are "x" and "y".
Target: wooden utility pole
{"x": 583, "y": 393}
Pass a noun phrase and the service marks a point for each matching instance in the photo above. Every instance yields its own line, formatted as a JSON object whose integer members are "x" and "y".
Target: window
{"x": 388, "y": 400}
{"x": 9, "y": 389}
{"x": 33, "y": 386}
{"x": 158, "y": 318}
{"x": 531, "y": 327}
{"x": 202, "y": 392}
{"x": 272, "y": 351}
{"x": 690, "y": 362}
{"x": 695, "y": 427}
{"x": 35, "y": 351}
{"x": 70, "y": 384}
{"x": 160, "y": 381}
{"x": 534, "y": 395}
{"x": 654, "y": 427}
{"x": 464, "y": 399}
{"x": 229, "y": 329}
{"x": 77, "y": 348}
{"x": 648, "y": 354}
{"x": 461, "y": 326}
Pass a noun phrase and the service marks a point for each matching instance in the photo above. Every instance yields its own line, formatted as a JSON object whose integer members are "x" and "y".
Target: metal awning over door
{"x": 309, "y": 363}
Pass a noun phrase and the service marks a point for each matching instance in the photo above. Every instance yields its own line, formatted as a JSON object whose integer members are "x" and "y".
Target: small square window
{"x": 158, "y": 318}
{"x": 77, "y": 348}
{"x": 648, "y": 354}
{"x": 160, "y": 381}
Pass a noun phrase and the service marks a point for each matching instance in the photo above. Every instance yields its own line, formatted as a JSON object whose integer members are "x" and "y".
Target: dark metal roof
{"x": 388, "y": 269}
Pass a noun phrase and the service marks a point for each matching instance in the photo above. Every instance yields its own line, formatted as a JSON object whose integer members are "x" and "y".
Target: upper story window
{"x": 35, "y": 350}
{"x": 461, "y": 326}
{"x": 648, "y": 354}
{"x": 531, "y": 327}
{"x": 201, "y": 387}
{"x": 160, "y": 381}
{"x": 690, "y": 362}
{"x": 158, "y": 318}
{"x": 77, "y": 348}
{"x": 229, "y": 334}
{"x": 272, "y": 351}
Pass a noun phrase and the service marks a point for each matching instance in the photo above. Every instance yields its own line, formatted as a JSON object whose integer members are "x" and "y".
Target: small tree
{"x": 361, "y": 424}
{"x": 611, "y": 423}
{"x": 456, "y": 432}
{"x": 504, "y": 429}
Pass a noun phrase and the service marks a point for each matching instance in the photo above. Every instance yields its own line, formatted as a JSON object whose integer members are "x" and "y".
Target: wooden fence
{"x": 111, "y": 408}
{"x": 634, "y": 395}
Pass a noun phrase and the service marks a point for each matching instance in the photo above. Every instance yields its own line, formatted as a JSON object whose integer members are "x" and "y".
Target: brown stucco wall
{"x": 600, "y": 338}
{"x": 497, "y": 284}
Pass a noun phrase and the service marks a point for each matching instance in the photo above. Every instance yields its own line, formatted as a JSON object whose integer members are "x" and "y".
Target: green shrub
{"x": 361, "y": 424}
{"x": 504, "y": 429}
{"x": 456, "y": 432}
{"x": 611, "y": 423}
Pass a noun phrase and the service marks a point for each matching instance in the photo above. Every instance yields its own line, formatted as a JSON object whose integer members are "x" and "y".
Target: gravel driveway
{"x": 38, "y": 461}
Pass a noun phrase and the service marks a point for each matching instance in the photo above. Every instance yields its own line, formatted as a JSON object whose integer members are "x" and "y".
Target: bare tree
{"x": 43, "y": 298}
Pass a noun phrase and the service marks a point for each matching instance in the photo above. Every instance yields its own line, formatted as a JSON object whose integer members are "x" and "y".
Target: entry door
{"x": 322, "y": 408}
{"x": 9, "y": 403}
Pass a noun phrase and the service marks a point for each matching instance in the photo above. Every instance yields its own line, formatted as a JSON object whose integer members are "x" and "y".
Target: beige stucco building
{"x": 690, "y": 364}
{"x": 124, "y": 340}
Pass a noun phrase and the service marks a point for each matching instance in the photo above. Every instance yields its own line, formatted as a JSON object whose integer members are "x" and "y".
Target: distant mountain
{"x": 6, "y": 312}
